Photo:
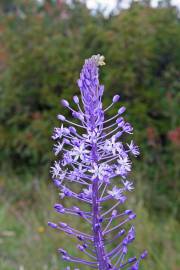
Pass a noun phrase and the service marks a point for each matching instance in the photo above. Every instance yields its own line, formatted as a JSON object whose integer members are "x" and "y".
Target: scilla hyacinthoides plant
{"x": 97, "y": 162}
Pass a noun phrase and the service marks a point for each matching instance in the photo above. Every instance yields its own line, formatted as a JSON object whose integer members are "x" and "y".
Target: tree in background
{"x": 40, "y": 59}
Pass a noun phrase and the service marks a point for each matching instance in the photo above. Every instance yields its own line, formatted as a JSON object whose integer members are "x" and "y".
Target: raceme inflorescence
{"x": 92, "y": 171}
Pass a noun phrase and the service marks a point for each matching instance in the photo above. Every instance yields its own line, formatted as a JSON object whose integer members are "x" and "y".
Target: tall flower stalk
{"x": 92, "y": 156}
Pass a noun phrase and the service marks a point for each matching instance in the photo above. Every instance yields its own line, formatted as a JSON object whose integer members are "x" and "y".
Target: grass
{"x": 26, "y": 242}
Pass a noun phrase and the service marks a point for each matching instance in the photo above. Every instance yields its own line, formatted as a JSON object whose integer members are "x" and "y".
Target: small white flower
{"x": 116, "y": 193}
{"x": 88, "y": 192}
{"x": 58, "y": 147}
{"x": 96, "y": 171}
{"x": 101, "y": 171}
{"x": 67, "y": 159}
{"x": 112, "y": 146}
{"x": 124, "y": 163}
{"x": 58, "y": 133}
{"x": 99, "y": 59}
{"x": 56, "y": 169}
{"x": 133, "y": 148}
{"x": 128, "y": 185}
{"x": 79, "y": 152}
{"x": 91, "y": 136}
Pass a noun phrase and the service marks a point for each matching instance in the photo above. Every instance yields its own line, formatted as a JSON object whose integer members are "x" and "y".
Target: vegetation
{"x": 41, "y": 53}
{"x": 27, "y": 243}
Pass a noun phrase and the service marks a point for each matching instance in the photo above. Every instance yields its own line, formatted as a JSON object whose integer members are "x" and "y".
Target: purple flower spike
{"x": 91, "y": 156}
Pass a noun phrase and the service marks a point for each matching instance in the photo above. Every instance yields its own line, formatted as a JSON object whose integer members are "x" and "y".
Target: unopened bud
{"x": 61, "y": 117}
{"x": 65, "y": 103}
{"x": 121, "y": 110}
{"x": 116, "y": 98}
{"x": 76, "y": 99}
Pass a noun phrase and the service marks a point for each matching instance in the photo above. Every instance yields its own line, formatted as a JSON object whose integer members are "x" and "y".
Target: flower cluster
{"x": 91, "y": 155}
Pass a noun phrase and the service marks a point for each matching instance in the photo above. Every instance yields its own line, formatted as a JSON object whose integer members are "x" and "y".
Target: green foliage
{"x": 43, "y": 50}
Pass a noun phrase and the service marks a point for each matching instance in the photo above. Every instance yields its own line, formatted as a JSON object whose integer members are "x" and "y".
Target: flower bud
{"x": 57, "y": 183}
{"x": 78, "y": 115}
{"x": 80, "y": 237}
{"x": 121, "y": 232}
{"x": 121, "y": 110}
{"x": 76, "y": 99}
{"x": 61, "y": 117}
{"x": 63, "y": 225}
{"x": 127, "y": 128}
{"x": 130, "y": 260}
{"x": 66, "y": 258}
{"x": 66, "y": 131}
{"x": 101, "y": 90}
{"x": 124, "y": 249}
{"x": 118, "y": 134}
{"x": 119, "y": 120}
{"x": 62, "y": 251}
{"x": 116, "y": 98}
{"x": 59, "y": 208}
{"x": 132, "y": 216}
{"x": 52, "y": 225}
{"x": 66, "y": 141}
{"x": 121, "y": 124}
{"x": 72, "y": 130}
{"x": 101, "y": 219}
{"x": 81, "y": 248}
{"x": 64, "y": 103}
{"x": 127, "y": 212}
{"x": 135, "y": 266}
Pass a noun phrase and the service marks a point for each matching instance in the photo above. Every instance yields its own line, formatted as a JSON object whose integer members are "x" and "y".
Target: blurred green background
{"x": 42, "y": 49}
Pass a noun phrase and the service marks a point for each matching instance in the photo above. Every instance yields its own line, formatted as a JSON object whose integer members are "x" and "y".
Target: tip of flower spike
{"x": 116, "y": 98}
{"x": 64, "y": 103}
{"x": 99, "y": 59}
{"x": 61, "y": 117}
